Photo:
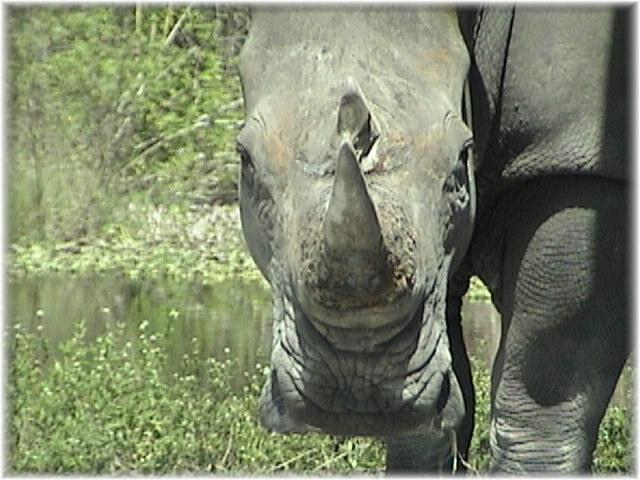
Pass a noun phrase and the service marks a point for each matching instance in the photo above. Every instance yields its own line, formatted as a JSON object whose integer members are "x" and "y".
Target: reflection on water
{"x": 230, "y": 316}
{"x": 233, "y": 317}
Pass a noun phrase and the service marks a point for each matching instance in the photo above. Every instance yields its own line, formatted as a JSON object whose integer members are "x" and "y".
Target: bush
{"x": 110, "y": 100}
{"x": 114, "y": 406}
{"x": 111, "y": 406}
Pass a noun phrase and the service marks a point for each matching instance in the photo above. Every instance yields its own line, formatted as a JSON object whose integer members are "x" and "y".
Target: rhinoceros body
{"x": 374, "y": 185}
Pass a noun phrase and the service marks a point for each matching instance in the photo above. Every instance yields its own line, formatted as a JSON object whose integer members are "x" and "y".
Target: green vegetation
{"x": 113, "y": 406}
{"x": 121, "y": 141}
{"x": 203, "y": 244}
{"x": 115, "y": 112}
{"x": 478, "y": 291}
{"x": 109, "y": 406}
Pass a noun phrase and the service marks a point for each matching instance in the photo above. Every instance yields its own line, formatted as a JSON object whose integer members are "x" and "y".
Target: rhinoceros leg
{"x": 565, "y": 334}
{"x": 435, "y": 452}
{"x": 431, "y": 453}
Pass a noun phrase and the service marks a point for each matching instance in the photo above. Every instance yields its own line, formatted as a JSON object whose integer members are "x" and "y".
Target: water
{"x": 227, "y": 319}
{"x": 231, "y": 318}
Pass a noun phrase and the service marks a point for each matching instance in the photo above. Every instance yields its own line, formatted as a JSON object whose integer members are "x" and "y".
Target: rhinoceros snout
{"x": 357, "y": 261}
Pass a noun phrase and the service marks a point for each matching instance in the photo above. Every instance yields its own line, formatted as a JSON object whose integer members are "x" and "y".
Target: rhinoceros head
{"x": 356, "y": 199}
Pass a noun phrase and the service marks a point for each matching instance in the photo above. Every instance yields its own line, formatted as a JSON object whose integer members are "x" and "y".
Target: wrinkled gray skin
{"x": 363, "y": 208}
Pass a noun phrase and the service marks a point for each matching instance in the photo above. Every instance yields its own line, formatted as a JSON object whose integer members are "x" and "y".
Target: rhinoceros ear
{"x": 461, "y": 191}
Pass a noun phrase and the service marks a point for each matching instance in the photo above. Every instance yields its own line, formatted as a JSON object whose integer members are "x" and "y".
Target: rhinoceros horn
{"x": 351, "y": 229}
{"x": 353, "y": 114}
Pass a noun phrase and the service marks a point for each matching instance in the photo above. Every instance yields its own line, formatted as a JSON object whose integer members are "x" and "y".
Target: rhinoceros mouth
{"x": 369, "y": 327}
{"x": 397, "y": 385}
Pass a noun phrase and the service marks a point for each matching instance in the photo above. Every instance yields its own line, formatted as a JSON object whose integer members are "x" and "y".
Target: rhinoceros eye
{"x": 248, "y": 167}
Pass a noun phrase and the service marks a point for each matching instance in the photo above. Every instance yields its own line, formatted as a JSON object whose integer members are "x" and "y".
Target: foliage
{"x": 112, "y": 100}
{"x": 615, "y": 442}
{"x": 113, "y": 406}
{"x": 156, "y": 242}
{"x": 479, "y": 456}
{"x": 478, "y": 291}
{"x": 110, "y": 406}
{"x": 121, "y": 130}
{"x": 615, "y": 447}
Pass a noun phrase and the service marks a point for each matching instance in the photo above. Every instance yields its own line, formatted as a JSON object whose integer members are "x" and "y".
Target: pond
{"x": 229, "y": 318}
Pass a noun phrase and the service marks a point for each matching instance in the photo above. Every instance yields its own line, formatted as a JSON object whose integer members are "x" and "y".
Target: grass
{"x": 111, "y": 406}
{"x": 203, "y": 243}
